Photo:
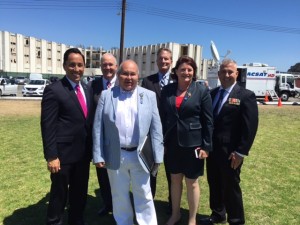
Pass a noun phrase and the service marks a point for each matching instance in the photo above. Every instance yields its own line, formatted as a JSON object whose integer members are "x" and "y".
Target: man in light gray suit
{"x": 125, "y": 115}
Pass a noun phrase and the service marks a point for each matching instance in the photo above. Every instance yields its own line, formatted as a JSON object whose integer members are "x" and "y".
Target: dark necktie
{"x": 219, "y": 103}
{"x": 81, "y": 100}
{"x": 108, "y": 84}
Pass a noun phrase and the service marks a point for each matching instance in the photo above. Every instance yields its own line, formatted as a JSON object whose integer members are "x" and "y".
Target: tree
{"x": 295, "y": 68}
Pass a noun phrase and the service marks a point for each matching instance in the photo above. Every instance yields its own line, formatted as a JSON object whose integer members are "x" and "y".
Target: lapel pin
{"x": 141, "y": 97}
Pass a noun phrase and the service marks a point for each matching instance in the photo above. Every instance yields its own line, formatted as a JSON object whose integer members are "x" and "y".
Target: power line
{"x": 136, "y": 7}
{"x": 142, "y": 9}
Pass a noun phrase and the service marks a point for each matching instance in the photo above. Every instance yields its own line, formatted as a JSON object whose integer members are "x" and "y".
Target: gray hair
{"x": 228, "y": 61}
{"x": 109, "y": 55}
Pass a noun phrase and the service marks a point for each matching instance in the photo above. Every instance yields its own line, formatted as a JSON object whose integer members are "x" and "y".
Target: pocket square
{"x": 234, "y": 101}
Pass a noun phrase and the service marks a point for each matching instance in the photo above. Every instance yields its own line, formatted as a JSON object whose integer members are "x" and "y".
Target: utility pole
{"x": 122, "y": 31}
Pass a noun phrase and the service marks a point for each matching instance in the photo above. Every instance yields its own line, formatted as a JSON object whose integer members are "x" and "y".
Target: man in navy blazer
{"x": 67, "y": 140}
{"x": 108, "y": 80}
{"x": 125, "y": 115}
{"x": 235, "y": 126}
{"x": 156, "y": 82}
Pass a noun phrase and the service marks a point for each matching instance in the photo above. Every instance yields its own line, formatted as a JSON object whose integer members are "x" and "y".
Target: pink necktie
{"x": 81, "y": 100}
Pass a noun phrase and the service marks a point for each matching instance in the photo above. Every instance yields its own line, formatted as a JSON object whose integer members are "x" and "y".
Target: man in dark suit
{"x": 108, "y": 80}
{"x": 66, "y": 124}
{"x": 156, "y": 82}
{"x": 235, "y": 126}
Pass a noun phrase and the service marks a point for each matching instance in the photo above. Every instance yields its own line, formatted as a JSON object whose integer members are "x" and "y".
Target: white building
{"x": 145, "y": 56}
{"x": 22, "y": 54}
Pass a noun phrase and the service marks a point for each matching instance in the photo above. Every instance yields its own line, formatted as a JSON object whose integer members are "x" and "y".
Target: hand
{"x": 202, "y": 153}
{"x": 53, "y": 165}
{"x": 100, "y": 164}
{"x": 236, "y": 160}
{"x": 155, "y": 169}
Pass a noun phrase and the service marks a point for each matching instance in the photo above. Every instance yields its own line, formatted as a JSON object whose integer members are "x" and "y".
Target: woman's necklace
{"x": 180, "y": 90}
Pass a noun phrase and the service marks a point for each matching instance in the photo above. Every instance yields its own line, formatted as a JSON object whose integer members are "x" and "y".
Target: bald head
{"x": 128, "y": 75}
{"x": 109, "y": 66}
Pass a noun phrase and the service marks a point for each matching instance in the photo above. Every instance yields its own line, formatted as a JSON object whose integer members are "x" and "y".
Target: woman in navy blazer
{"x": 187, "y": 125}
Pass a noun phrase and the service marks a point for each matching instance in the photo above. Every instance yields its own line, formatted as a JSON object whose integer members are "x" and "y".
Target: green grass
{"x": 270, "y": 175}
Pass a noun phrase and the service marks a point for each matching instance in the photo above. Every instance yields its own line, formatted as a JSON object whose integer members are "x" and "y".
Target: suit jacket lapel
{"x": 172, "y": 99}
{"x": 233, "y": 94}
{"x": 187, "y": 96}
{"x": 140, "y": 101}
{"x": 157, "y": 85}
{"x": 87, "y": 98}
{"x": 213, "y": 93}
{"x": 115, "y": 93}
{"x": 70, "y": 90}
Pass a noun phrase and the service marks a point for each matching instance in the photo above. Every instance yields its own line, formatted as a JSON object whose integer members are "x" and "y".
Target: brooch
{"x": 234, "y": 101}
{"x": 141, "y": 97}
{"x": 188, "y": 95}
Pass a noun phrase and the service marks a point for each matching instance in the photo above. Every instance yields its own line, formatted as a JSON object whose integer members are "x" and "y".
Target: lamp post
{"x": 122, "y": 31}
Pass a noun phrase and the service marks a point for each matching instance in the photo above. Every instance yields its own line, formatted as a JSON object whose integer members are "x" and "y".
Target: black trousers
{"x": 224, "y": 187}
{"x": 104, "y": 187}
{"x": 70, "y": 185}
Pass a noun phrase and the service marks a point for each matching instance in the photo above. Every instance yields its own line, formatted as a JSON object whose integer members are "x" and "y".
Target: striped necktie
{"x": 163, "y": 81}
{"x": 81, "y": 100}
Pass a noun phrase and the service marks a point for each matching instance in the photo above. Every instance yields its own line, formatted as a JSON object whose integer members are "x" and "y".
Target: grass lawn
{"x": 270, "y": 175}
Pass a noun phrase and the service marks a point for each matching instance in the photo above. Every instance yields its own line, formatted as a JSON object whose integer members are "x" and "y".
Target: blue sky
{"x": 97, "y": 23}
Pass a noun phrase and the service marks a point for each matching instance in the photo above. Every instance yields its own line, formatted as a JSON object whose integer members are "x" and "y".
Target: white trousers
{"x": 131, "y": 172}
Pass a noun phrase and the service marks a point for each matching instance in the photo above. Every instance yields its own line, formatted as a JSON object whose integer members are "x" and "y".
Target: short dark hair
{"x": 72, "y": 50}
{"x": 188, "y": 60}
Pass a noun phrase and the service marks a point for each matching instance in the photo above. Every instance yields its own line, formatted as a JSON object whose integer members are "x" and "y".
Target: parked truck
{"x": 259, "y": 78}
{"x": 262, "y": 80}
{"x": 286, "y": 85}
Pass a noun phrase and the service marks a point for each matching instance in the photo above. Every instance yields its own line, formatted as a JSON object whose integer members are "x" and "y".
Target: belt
{"x": 129, "y": 149}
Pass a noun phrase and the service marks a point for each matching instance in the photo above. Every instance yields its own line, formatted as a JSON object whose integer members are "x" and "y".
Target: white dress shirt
{"x": 127, "y": 118}
{"x": 81, "y": 89}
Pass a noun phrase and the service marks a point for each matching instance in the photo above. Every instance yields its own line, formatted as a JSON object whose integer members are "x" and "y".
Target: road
{"x": 20, "y": 96}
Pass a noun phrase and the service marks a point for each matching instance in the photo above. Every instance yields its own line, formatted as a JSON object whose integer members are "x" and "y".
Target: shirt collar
{"x": 229, "y": 89}
{"x": 73, "y": 84}
{"x": 122, "y": 91}
{"x": 112, "y": 82}
{"x": 167, "y": 74}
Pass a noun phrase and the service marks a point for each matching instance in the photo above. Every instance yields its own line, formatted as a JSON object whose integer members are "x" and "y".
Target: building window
{"x": 152, "y": 65}
{"x": 184, "y": 50}
{"x": 26, "y": 42}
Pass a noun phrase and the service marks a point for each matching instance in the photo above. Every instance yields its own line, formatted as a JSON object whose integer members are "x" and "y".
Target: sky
{"x": 253, "y": 31}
